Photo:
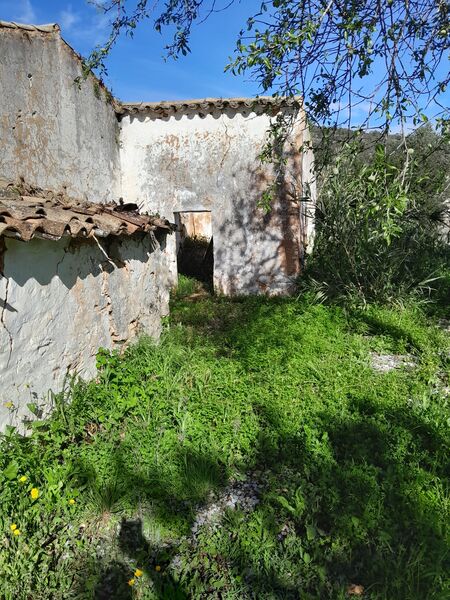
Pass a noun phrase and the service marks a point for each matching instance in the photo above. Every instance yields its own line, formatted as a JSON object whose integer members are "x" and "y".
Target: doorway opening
{"x": 195, "y": 256}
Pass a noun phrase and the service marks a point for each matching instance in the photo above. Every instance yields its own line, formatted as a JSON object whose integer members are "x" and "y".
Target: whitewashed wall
{"x": 185, "y": 162}
{"x": 61, "y": 301}
{"x": 54, "y": 133}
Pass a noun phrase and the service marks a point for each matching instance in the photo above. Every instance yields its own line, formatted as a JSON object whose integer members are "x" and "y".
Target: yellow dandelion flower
{"x": 138, "y": 573}
{"x": 131, "y": 582}
{"x": 23, "y": 479}
{"x": 72, "y": 501}
{"x": 13, "y": 526}
{"x": 17, "y": 532}
{"x": 34, "y": 493}
{"x": 158, "y": 568}
{"x": 8, "y": 405}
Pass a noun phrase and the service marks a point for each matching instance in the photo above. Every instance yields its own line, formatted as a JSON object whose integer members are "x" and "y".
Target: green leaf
{"x": 38, "y": 425}
{"x": 33, "y": 408}
{"x": 12, "y": 470}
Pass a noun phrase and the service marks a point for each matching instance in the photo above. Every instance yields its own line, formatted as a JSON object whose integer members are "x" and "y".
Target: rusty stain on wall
{"x": 196, "y": 224}
{"x": 203, "y": 155}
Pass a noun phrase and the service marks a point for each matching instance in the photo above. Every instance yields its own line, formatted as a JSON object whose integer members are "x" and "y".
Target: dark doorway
{"x": 195, "y": 256}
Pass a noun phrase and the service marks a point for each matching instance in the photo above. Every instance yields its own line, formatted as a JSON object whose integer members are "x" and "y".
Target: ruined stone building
{"x": 81, "y": 269}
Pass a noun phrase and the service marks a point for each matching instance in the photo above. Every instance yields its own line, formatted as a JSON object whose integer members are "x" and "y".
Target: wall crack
{"x": 58, "y": 264}
{"x": 108, "y": 309}
{"x": 3, "y": 322}
{"x": 228, "y": 148}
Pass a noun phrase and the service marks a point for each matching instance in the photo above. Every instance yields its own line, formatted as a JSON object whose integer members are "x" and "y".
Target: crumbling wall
{"x": 60, "y": 301}
{"x": 190, "y": 162}
{"x": 54, "y": 133}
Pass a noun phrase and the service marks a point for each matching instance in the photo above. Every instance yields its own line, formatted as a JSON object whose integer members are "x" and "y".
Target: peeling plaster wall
{"x": 186, "y": 162}
{"x": 61, "y": 301}
{"x": 54, "y": 133}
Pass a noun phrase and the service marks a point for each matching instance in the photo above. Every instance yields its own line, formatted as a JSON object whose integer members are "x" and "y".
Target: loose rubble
{"x": 383, "y": 363}
{"x": 240, "y": 494}
{"x": 444, "y": 324}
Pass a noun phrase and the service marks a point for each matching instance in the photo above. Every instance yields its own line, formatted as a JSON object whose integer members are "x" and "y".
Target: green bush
{"x": 380, "y": 221}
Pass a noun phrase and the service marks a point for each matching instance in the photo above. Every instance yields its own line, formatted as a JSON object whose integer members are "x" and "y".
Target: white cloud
{"x": 95, "y": 27}
{"x": 25, "y": 12}
{"x": 68, "y": 18}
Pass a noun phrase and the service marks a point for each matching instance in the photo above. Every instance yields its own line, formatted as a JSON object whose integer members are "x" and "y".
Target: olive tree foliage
{"x": 386, "y": 56}
{"x": 383, "y": 221}
{"x": 178, "y": 16}
{"x": 383, "y": 55}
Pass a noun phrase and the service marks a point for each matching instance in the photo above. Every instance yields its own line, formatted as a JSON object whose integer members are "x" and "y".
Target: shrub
{"x": 379, "y": 223}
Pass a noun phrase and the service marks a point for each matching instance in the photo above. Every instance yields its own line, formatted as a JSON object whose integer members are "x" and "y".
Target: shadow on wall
{"x": 191, "y": 114}
{"x": 71, "y": 259}
{"x": 256, "y": 251}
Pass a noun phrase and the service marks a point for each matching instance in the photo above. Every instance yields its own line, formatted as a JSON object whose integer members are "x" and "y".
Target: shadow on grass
{"x": 113, "y": 577}
{"x": 125, "y": 488}
{"x": 154, "y": 559}
{"x": 113, "y": 582}
{"x": 360, "y": 493}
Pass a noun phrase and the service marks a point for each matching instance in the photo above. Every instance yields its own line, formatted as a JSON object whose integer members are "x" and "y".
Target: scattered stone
{"x": 444, "y": 324}
{"x": 285, "y": 531}
{"x": 383, "y": 363}
{"x": 176, "y": 563}
{"x": 441, "y": 388}
{"x": 240, "y": 494}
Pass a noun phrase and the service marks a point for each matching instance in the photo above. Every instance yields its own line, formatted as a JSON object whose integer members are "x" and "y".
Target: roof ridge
{"x": 221, "y": 98}
{"x": 208, "y": 104}
{"x": 47, "y": 28}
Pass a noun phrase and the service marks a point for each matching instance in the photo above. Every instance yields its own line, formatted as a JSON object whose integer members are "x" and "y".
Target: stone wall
{"x": 190, "y": 162}
{"x": 60, "y": 301}
{"x": 54, "y": 133}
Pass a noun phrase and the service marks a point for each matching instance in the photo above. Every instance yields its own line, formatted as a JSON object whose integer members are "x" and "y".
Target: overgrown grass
{"x": 352, "y": 464}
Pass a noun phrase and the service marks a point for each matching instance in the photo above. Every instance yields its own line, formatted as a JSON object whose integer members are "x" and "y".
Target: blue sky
{"x": 136, "y": 68}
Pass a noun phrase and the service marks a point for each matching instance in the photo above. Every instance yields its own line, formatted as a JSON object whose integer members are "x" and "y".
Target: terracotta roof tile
{"x": 208, "y": 105}
{"x": 51, "y": 216}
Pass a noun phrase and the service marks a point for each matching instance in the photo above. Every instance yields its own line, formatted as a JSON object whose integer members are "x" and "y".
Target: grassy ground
{"x": 351, "y": 465}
